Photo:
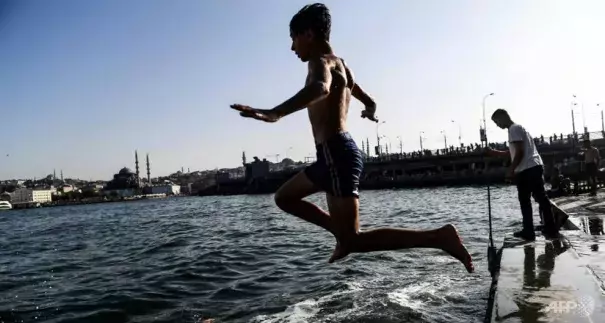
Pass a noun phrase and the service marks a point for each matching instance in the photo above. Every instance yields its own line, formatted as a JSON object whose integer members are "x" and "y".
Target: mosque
{"x": 128, "y": 183}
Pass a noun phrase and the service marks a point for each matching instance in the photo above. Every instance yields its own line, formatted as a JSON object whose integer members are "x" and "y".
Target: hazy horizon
{"x": 85, "y": 84}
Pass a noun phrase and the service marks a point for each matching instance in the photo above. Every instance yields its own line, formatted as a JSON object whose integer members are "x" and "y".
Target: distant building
{"x": 257, "y": 169}
{"x": 124, "y": 179}
{"x": 95, "y": 187}
{"x": 127, "y": 192}
{"x": 27, "y": 195}
{"x": 186, "y": 189}
{"x": 126, "y": 182}
{"x": 168, "y": 189}
{"x": 222, "y": 177}
{"x": 67, "y": 188}
{"x": 6, "y": 196}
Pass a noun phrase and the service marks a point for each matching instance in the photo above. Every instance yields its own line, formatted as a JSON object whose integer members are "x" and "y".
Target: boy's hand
{"x": 369, "y": 113}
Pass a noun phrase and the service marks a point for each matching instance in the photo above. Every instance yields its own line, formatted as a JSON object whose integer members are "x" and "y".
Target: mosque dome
{"x": 287, "y": 161}
{"x": 125, "y": 171}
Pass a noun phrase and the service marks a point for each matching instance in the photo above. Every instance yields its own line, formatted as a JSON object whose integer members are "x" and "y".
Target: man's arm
{"x": 497, "y": 153}
{"x": 317, "y": 89}
{"x": 519, "y": 153}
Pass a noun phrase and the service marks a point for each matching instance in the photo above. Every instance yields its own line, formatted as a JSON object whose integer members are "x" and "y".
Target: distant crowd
{"x": 555, "y": 139}
{"x": 450, "y": 151}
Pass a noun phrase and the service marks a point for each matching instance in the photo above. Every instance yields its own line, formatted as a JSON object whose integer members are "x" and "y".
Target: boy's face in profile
{"x": 301, "y": 44}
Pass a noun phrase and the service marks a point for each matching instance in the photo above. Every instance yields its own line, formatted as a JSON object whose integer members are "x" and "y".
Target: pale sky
{"x": 84, "y": 84}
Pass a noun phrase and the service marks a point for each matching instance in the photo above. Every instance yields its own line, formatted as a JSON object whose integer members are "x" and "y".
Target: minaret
{"x": 61, "y": 175}
{"x": 136, "y": 163}
{"x": 54, "y": 175}
{"x": 244, "y": 157}
{"x": 368, "y": 147}
{"x": 148, "y": 171}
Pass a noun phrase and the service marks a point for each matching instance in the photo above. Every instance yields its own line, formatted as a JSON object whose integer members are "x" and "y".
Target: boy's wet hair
{"x": 315, "y": 17}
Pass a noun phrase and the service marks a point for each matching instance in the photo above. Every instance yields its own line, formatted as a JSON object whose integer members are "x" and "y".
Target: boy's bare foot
{"x": 453, "y": 246}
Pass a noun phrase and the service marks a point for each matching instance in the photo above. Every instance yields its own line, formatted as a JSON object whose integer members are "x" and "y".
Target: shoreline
{"x": 34, "y": 205}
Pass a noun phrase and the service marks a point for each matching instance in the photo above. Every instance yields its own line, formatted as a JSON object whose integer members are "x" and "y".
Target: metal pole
{"x": 400, "y": 145}
{"x": 377, "y": 141}
{"x": 378, "y": 137}
{"x": 491, "y": 250}
{"x": 602, "y": 122}
{"x": 459, "y": 132}
{"x": 484, "y": 122}
{"x": 573, "y": 120}
{"x": 583, "y": 118}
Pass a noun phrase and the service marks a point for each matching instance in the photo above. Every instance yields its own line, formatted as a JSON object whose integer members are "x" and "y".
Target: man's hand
{"x": 489, "y": 151}
{"x": 510, "y": 174}
{"x": 258, "y": 114}
{"x": 369, "y": 113}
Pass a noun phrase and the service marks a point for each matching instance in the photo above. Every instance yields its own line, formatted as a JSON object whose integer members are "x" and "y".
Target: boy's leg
{"x": 290, "y": 196}
{"x": 344, "y": 212}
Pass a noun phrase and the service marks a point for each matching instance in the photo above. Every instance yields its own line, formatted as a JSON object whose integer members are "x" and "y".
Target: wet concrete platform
{"x": 560, "y": 280}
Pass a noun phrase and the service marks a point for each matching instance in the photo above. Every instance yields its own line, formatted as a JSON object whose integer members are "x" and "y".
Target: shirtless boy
{"x": 326, "y": 95}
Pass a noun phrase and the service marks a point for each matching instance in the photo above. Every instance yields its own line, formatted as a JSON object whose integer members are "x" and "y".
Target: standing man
{"x": 592, "y": 160}
{"x": 326, "y": 95}
{"x": 527, "y": 169}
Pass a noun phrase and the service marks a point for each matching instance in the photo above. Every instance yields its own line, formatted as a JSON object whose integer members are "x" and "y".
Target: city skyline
{"x": 85, "y": 84}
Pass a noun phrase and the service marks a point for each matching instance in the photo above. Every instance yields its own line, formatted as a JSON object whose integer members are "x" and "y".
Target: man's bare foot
{"x": 339, "y": 253}
{"x": 453, "y": 246}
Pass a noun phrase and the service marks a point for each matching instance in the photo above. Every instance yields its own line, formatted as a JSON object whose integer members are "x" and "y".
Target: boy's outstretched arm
{"x": 317, "y": 89}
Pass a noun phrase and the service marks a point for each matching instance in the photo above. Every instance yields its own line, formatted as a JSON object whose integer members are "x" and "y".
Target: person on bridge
{"x": 592, "y": 160}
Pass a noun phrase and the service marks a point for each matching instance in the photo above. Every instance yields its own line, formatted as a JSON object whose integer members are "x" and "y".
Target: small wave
{"x": 406, "y": 297}
{"x": 300, "y": 312}
{"x": 306, "y": 310}
{"x": 165, "y": 246}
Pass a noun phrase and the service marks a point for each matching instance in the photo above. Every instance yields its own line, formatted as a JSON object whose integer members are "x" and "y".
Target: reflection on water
{"x": 536, "y": 277}
{"x": 593, "y": 225}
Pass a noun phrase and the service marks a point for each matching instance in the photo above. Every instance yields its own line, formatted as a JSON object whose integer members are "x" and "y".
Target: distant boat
{"x": 4, "y": 205}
